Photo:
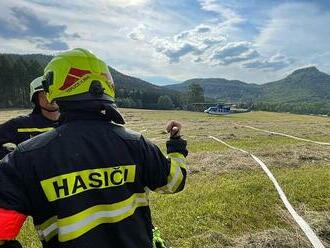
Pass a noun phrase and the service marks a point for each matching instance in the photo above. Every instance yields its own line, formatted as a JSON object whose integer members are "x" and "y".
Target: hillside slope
{"x": 17, "y": 71}
{"x": 302, "y": 85}
{"x": 306, "y": 90}
{"x": 220, "y": 88}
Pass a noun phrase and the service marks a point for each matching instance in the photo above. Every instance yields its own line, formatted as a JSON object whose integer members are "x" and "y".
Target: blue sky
{"x": 163, "y": 41}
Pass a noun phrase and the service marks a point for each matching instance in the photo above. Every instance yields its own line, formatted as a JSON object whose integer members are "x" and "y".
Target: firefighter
{"x": 43, "y": 118}
{"x": 86, "y": 182}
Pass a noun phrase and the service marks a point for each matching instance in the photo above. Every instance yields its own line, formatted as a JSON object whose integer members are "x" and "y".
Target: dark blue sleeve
{"x": 13, "y": 195}
{"x": 8, "y": 134}
{"x": 156, "y": 167}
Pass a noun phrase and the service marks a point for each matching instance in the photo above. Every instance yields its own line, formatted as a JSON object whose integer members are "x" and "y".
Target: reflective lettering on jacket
{"x": 73, "y": 183}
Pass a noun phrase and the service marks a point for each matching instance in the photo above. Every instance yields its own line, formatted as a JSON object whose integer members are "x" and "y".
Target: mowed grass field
{"x": 228, "y": 200}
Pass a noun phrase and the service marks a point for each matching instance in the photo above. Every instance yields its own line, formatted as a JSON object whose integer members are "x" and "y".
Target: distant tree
{"x": 165, "y": 102}
{"x": 121, "y": 93}
{"x": 15, "y": 77}
{"x": 180, "y": 100}
{"x": 128, "y": 102}
{"x": 195, "y": 93}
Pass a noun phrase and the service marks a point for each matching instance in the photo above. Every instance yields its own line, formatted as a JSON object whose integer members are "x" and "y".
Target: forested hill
{"x": 134, "y": 92}
{"x": 306, "y": 90}
{"x": 223, "y": 89}
{"x": 17, "y": 71}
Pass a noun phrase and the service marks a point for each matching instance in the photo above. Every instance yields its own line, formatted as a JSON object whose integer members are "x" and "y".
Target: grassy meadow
{"x": 228, "y": 200}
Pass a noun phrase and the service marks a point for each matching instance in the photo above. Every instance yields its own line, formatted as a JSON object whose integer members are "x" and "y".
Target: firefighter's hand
{"x": 174, "y": 128}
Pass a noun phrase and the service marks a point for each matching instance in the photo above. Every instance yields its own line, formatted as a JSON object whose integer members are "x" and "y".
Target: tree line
{"x": 17, "y": 72}
{"x": 149, "y": 99}
{"x": 15, "y": 77}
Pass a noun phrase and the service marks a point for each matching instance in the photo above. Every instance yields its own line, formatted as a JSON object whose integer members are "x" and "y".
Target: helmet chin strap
{"x": 49, "y": 110}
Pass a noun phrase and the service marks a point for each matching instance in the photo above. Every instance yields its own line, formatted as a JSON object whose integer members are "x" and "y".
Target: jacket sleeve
{"x": 164, "y": 174}
{"x": 14, "y": 203}
{"x": 8, "y": 134}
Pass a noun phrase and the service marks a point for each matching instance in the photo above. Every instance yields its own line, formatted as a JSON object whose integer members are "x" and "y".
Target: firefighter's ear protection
{"x": 48, "y": 81}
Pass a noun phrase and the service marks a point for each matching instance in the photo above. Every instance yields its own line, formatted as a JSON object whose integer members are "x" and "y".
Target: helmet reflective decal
{"x": 73, "y": 76}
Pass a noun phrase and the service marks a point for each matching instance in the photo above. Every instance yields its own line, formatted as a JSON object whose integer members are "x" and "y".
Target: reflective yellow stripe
{"x": 48, "y": 222}
{"x": 100, "y": 214}
{"x": 48, "y": 229}
{"x": 34, "y": 130}
{"x": 76, "y": 225}
{"x": 175, "y": 177}
{"x": 179, "y": 158}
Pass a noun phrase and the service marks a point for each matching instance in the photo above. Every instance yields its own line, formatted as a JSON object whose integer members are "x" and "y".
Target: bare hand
{"x": 174, "y": 128}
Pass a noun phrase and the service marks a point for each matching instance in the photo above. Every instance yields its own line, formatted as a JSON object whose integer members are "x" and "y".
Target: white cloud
{"x": 226, "y": 13}
{"x": 23, "y": 23}
{"x": 138, "y": 33}
{"x": 103, "y": 28}
{"x": 233, "y": 52}
{"x": 195, "y": 34}
{"x": 156, "y": 38}
{"x": 126, "y": 3}
{"x": 301, "y": 30}
{"x": 175, "y": 50}
{"x": 203, "y": 29}
{"x": 211, "y": 41}
{"x": 274, "y": 63}
{"x": 205, "y": 43}
{"x": 196, "y": 42}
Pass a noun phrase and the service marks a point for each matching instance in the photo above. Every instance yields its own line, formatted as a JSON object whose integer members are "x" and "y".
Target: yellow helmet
{"x": 76, "y": 77}
{"x": 71, "y": 74}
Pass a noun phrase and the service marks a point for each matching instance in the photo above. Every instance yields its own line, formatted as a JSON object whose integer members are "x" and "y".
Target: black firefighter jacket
{"x": 22, "y": 128}
{"x": 86, "y": 183}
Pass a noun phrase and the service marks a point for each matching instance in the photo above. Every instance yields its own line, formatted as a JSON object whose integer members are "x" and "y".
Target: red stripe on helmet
{"x": 10, "y": 223}
{"x": 69, "y": 81}
{"x": 73, "y": 76}
{"x": 77, "y": 72}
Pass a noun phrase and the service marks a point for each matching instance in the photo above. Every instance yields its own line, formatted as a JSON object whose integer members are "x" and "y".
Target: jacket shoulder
{"x": 124, "y": 133}
{"x": 38, "y": 141}
{"x": 19, "y": 120}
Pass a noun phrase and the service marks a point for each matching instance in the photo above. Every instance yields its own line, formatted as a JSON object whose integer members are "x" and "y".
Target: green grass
{"x": 228, "y": 200}
{"x": 236, "y": 203}
{"x": 232, "y": 204}
{"x": 308, "y": 186}
{"x": 28, "y": 235}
